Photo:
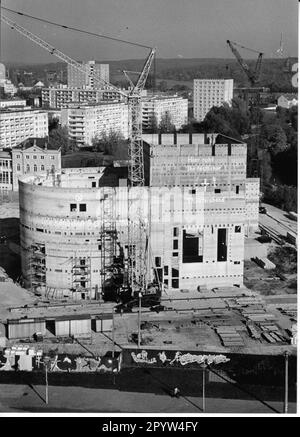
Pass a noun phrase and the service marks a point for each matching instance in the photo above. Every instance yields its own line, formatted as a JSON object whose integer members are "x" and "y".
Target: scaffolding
{"x": 37, "y": 267}
{"x": 108, "y": 236}
{"x": 81, "y": 277}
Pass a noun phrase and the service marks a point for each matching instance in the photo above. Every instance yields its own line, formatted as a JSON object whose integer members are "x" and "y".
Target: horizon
{"x": 206, "y": 26}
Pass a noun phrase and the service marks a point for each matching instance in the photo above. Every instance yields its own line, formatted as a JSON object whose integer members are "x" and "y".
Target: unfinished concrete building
{"x": 74, "y": 224}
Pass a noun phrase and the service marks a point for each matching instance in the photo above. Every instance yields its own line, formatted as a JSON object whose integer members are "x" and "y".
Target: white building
{"x": 86, "y": 121}
{"x": 12, "y": 103}
{"x": 60, "y": 96}
{"x": 6, "y": 176}
{"x": 18, "y": 124}
{"x": 209, "y": 93}
{"x": 78, "y": 79}
{"x": 156, "y": 107}
{"x": 287, "y": 101}
{"x": 34, "y": 156}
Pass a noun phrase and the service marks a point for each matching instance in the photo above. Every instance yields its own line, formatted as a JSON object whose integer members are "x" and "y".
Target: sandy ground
{"x": 10, "y": 207}
{"x": 21, "y": 399}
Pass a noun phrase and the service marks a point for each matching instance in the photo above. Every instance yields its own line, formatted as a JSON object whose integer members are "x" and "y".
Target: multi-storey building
{"x": 85, "y": 122}
{"x": 60, "y": 97}
{"x": 209, "y": 93}
{"x": 34, "y": 156}
{"x": 79, "y": 79}
{"x": 6, "y": 175}
{"x": 12, "y": 103}
{"x": 196, "y": 207}
{"x": 207, "y": 247}
{"x": 156, "y": 107}
{"x": 18, "y": 124}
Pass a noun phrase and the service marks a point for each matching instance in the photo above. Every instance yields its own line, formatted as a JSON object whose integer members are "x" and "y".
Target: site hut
{"x": 25, "y": 327}
{"x": 197, "y": 203}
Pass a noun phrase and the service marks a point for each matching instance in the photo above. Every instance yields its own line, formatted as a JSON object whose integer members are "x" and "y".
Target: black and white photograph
{"x": 148, "y": 211}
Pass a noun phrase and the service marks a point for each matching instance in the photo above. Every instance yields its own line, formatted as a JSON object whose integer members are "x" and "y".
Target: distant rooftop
{"x": 42, "y": 143}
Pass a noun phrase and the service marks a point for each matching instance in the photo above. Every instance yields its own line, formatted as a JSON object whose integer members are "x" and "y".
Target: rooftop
{"x": 42, "y": 143}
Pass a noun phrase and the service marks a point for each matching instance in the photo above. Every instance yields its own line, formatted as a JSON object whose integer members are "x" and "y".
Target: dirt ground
{"x": 265, "y": 282}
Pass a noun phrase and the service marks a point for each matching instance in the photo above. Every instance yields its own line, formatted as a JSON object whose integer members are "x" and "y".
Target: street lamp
{"x": 139, "y": 320}
{"x": 203, "y": 366}
{"x": 45, "y": 362}
{"x": 286, "y": 383}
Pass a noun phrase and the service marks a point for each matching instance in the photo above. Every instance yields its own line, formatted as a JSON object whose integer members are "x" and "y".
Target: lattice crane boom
{"x": 56, "y": 52}
{"x": 137, "y": 234}
{"x": 253, "y": 76}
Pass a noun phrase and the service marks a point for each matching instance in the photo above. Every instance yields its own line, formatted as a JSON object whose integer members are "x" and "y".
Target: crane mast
{"x": 137, "y": 229}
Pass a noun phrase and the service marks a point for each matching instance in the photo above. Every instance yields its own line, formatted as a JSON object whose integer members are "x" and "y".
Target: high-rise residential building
{"x": 60, "y": 96}
{"x": 156, "y": 107}
{"x": 18, "y": 124}
{"x": 86, "y": 121}
{"x": 79, "y": 79}
{"x": 209, "y": 93}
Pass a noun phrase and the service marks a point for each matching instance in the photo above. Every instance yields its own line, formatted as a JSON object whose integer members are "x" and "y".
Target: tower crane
{"x": 137, "y": 230}
{"x": 252, "y": 75}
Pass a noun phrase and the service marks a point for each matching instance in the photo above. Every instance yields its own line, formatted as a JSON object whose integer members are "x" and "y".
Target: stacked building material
{"x": 229, "y": 336}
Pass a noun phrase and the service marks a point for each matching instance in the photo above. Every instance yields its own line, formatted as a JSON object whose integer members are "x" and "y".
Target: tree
{"x": 59, "y": 138}
{"x": 275, "y": 137}
{"x": 111, "y": 144}
{"x": 166, "y": 125}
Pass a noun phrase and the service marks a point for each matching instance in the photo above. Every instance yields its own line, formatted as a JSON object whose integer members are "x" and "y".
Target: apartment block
{"x": 60, "y": 97}
{"x": 86, "y": 121}
{"x": 156, "y": 108}
{"x": 79, "y": 79}
{"x": 12, "y": 103}
{"x": 209, "y": 93}
{"x": 18, "y": 124}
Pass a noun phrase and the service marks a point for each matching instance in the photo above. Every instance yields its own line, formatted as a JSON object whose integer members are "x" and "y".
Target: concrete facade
{"x": 196, "y": 204}
{"x": 60, "y": 97}
{"x": 18, "y": 124}
{"x": 157, "y": 107}
{"x": 209, "y": 93}
{"x": 84, "y": 122}
{"x": 79, "y": 79}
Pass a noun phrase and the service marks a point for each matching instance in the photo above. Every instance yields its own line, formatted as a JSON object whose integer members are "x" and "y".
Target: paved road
{"x": 277, "y": 220}
{"x": 22, "y": 398}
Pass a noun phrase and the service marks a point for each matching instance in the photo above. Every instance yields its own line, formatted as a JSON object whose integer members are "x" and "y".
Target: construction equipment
{"x": 137, "y": 230}
{"x": 253, "y": 75}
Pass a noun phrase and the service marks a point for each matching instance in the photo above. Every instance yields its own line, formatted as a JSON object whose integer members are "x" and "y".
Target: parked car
{"x": 262, "y": 210}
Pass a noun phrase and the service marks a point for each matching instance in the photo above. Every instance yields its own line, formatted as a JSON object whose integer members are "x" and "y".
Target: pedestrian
{"x": 176, "y": 392}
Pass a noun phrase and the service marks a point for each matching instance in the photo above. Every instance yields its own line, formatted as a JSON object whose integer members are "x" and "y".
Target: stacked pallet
{"x": 271, "y": 333}
{"x": 253, "y": 332}
{"x": 229, "y": 336}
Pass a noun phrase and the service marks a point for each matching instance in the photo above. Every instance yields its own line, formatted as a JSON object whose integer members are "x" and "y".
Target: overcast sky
{"x": 178, "y": 28}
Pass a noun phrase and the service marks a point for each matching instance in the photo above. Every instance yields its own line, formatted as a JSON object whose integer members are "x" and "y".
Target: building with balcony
{"x": 18, "y": 124}
{"x": 209, "y": 93}
{"x": 86, "y": 121}
{"x": 155, "y": 108}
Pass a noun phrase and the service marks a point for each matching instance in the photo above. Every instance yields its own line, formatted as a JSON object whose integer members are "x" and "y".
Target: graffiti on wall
{"x": 181, "y": 358}
{"x": 23, "y": 360}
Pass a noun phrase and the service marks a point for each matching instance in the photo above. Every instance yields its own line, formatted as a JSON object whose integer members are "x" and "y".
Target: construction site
{"x": 161, "y": 239}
